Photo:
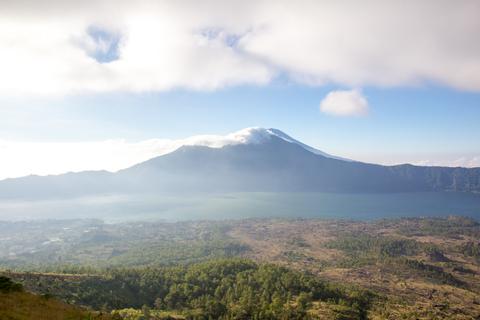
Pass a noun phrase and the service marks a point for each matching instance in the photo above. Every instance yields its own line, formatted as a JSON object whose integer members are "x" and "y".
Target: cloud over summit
{"x": 49, "y": 48}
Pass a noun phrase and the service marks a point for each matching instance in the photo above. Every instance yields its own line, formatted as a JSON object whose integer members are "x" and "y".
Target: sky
{"x": 105, "y": 84}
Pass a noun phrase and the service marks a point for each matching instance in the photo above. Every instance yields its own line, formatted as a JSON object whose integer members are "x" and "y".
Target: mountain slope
{"x": 267, "y": 162}
{"x": 287, "y": 138}
{"x": 21, "y": 305}
{"x": 277, "y": 165}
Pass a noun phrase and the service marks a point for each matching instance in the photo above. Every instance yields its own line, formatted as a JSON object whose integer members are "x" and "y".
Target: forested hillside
{"x": 220, "y": 289}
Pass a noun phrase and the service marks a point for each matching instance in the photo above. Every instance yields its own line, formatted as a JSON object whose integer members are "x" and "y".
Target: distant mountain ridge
{"x": 262, "y": 160}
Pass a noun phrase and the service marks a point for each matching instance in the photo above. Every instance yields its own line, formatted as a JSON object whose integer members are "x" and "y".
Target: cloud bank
{"x": 344, "y": 103}
{"x": 74, "y": 47}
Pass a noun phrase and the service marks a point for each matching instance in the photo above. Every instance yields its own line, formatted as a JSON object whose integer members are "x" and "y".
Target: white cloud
{"x": 344, "y": 103}
{"x": 468, "y": 162}
{"x": 46, "y": 47}
{"x": 451, "y": 159}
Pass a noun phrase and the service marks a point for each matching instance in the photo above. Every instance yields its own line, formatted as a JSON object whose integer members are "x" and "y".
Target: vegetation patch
{"x": 7, "y": 285}
{"x": 452, "y": 227}
{"x": 364, "y": 249}
{"x": 433, "y": 273}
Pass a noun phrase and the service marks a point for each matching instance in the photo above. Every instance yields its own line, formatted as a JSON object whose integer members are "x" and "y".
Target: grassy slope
{"x": 26, "y": 306}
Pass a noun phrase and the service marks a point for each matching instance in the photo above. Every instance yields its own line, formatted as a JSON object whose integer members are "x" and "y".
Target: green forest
{"x": 218, "y": 289}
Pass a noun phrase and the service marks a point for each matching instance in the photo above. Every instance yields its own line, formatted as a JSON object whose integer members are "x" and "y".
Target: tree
{"x": 158, "y": 303}
{"x": 146, "y": 312}
{"x": 303, "y": 301}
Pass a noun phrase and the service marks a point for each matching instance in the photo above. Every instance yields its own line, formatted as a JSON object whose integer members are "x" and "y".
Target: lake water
{"x": 115, "y": 208}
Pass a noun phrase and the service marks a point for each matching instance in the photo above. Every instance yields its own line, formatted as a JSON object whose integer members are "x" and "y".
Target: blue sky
{"x": 377, "y": 81}
{"x": 401, "y": 122}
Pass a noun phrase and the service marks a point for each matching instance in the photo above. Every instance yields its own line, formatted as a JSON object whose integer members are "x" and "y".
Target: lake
{"x": 115, "y": 208}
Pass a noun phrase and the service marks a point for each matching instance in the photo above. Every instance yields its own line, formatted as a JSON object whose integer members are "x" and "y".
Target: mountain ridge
{"x": 271, "y": 164}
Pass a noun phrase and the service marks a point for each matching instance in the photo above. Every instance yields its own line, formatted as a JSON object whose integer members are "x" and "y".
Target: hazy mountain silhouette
{"x": 272, "y": 163}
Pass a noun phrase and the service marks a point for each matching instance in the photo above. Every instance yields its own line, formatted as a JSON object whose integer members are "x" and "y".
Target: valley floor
{"x": 411, "y": 268}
